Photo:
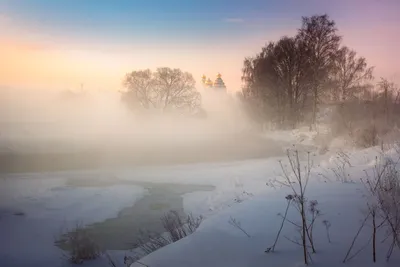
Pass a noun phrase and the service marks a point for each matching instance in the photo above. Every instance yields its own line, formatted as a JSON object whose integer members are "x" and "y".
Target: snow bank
{"x": 304, "y": 138}
{"x": 218, "y": 243}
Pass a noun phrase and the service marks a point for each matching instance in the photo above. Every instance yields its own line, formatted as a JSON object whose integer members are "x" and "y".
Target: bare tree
{"x": 293, "y": 75}
{"x": 248, "y": 74}
{"x": 166, "y": 89}
{"x": 387, "y": 92}
{"x": 140, "y": 89}
{"x": 259, "y": 91}
{"x": 287, "y": 74}
{"x": 352, "y": 73}
{"x": 278, "y": 78}
{"x": 320, "y": 38}
{"x": 176, "y": 89}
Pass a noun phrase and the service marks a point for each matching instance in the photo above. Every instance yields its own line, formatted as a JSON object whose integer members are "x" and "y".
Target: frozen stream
{"x": 37, "y": 201}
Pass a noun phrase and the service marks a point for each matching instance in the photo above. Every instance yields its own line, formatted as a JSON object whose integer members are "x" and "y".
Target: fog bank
{"x": 32, "y": 119}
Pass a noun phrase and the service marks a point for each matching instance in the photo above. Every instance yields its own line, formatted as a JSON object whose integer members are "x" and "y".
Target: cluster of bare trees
{"x": 289, "y": 79}
{"x": 165, "y": 89}
{"x": 372, "y": 118}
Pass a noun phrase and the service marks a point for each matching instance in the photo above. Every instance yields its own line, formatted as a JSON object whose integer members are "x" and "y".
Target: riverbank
{"x": 123, "y": 231}
{"x": 114, "y": 203}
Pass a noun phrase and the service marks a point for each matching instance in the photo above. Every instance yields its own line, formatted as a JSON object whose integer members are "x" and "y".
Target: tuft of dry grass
{"x": 79, "y": 244}
{"x": 176, "y": 227}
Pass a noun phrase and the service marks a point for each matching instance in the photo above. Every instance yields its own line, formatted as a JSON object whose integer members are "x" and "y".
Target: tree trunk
{"x": 314, "y": 112}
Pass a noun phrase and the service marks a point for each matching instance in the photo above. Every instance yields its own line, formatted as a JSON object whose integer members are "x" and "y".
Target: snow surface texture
{"x": 49, "y": 205}
{"x": 234, "y": 181}
{"x": 218, "y": 243}
{"x": 44, "y": 197}
{"x": 34, "y": 210}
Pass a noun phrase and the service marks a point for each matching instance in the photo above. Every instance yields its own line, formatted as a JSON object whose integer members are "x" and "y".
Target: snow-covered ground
{"x": 218, "y": 243}
{"x": 35, "y": 206}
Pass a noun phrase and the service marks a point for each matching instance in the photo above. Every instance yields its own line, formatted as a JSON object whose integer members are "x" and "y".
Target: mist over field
{"x": 175, "y": 133}
{"x": 58, "y": 113}
{"x": 88, "y": 128}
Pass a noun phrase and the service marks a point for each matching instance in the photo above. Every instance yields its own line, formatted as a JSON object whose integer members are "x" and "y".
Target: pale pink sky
{"x": 32, "y": 57}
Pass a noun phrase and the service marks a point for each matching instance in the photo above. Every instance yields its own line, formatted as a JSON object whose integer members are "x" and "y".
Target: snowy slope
{"x": 47, "y": 202}
{"x": 218, "y": 243}
{"x": 232, "y": 180}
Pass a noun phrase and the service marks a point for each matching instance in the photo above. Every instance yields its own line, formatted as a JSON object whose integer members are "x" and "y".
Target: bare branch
{"x": 237, "y": 225}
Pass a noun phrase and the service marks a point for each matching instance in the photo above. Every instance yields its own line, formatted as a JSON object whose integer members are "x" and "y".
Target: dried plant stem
{"x": 281, "y": 227}
{"x": 298, "y": 184}
{"x": 238, "y": 225}
{"x": 373, "y": 236}
{"x": 355, "y": 237}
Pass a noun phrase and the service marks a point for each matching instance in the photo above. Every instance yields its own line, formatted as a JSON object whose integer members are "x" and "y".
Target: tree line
{"x": 288, "y": 81}
{"x": 286, "y": 84}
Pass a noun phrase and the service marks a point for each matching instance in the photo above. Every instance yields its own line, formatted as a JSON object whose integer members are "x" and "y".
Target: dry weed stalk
{"x": 342, "y": 162}
{"x": 327, "y": 225}
{"x": 383, "y": 203}
{"x": 289, "y": 199}
{"x": 235, "y": 223}
{"x": 297, "y": 178}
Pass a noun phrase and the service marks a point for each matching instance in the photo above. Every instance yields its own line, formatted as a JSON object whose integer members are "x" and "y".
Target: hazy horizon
{"x": 61, "y": 45}
{"x": 113, "y": 146}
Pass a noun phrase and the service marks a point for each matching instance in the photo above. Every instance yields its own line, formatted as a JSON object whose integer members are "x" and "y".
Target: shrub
{"x": 383, "y": 202}
{"x": 367, "y": 137}
{"x": 79, "y": 244}
{"x": 176, "y": 227}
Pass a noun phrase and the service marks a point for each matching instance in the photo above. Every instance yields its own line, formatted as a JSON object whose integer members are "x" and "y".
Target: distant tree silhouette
{"x": 319, "y": 35}
{"x": 279, "y": 78}
{"x": 388, "y": 95}
{"x": 296, "y": 79}
{"x": 287, "y": 79}
{"x": 352, "y": 74}
{"x": 140, "y": 89}
{"x": 165, "y": 89}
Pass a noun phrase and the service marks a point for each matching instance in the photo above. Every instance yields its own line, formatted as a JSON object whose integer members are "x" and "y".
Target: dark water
{"x": 123, "y": 231}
